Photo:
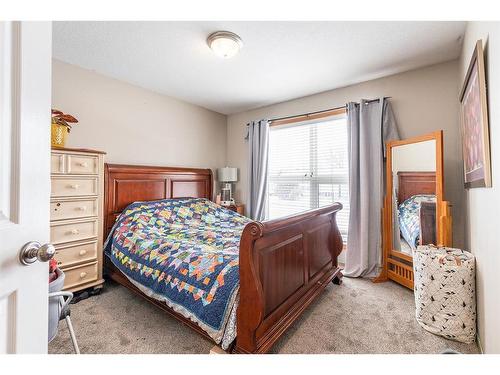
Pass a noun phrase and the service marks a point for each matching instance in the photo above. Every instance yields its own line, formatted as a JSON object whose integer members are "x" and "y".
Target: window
{"x": 308, "y": 167}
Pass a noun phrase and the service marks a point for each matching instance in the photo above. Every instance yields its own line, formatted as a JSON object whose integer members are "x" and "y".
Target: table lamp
{"x": 227, "y": 176}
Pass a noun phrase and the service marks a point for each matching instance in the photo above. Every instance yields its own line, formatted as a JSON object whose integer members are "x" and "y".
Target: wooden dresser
{"x": 76, "y": 211}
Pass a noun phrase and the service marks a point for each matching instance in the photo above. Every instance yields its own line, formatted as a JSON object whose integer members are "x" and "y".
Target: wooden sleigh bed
{"x": 284, "y": 264}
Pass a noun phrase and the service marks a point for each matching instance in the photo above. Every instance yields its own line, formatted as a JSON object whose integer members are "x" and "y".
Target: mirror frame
{"x": 396, "y": 265}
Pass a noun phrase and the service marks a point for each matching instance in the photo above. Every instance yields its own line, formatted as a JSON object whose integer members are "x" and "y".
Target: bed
{"x": 265, "y": 273}
{"x": 417, "y": 207}
{"x": 412, "y": 222}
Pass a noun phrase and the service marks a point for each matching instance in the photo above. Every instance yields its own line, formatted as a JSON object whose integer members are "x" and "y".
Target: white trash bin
{"x": 445, "y": 292}
{"x": 59, "y": 308}
{"x": 54, "y": 304}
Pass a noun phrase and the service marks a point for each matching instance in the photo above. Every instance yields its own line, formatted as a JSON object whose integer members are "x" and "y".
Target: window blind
{"x": 308, "y": 168}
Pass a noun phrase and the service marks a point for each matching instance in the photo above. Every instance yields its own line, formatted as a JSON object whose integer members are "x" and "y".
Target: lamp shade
{"x": 227, "y": 174}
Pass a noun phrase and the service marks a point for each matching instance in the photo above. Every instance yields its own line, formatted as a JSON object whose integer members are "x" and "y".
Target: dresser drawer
{"x": 74, "y": 231}
{"x": 60, "y": 210}
{"x": 73, "y": 186}
{"x": 80, "y": 275}
{"x": 73, "y": 254}
{"x": 82, "y": 164}
{"x": 56, "y": 163}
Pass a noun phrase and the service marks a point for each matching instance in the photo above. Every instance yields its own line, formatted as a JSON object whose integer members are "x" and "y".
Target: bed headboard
{"x": 412, "y": 183}
{"x": 125, "y": 184}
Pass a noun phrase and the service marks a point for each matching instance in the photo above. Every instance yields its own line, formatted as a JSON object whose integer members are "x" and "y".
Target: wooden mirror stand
{"x": 396, "y": 264}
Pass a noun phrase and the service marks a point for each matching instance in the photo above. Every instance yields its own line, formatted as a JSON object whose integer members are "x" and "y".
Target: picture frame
{"x": 474, "y": 123}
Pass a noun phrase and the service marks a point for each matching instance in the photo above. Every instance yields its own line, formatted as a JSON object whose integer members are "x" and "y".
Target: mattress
{"x": 409, "y": 217}
{"x": 185, "y": 253}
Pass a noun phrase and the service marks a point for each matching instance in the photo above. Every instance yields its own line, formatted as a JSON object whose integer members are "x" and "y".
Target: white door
{"x": 25, "y": 97}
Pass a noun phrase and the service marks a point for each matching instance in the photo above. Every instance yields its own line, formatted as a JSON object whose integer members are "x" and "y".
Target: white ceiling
{"x": 279, "y": 60}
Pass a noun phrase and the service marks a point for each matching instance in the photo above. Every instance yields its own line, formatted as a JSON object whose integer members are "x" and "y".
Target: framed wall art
{"x": 474, "y": 123}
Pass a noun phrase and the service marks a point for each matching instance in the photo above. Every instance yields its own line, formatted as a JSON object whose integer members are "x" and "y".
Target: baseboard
{"x": 479, "y": 345}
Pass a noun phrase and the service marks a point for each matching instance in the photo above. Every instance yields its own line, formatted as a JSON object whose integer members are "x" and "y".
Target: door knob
{"x": 33, "y": 251}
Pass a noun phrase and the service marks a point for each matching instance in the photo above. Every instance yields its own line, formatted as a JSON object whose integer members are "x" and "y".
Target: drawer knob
{"x": 81, "y": 208}
{"x": 74, "y": 231}
{"x": 74, "y": 186}
{"x": 82, "y": 164}
{"x": 82, "y": 275}
{"x": 83, "y": 252}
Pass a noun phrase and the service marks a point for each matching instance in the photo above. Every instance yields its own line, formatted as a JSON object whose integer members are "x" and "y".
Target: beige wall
{"x": 483, "y": 204}
{"x": 424, "y": 100}
{"x": 134, "y": 125}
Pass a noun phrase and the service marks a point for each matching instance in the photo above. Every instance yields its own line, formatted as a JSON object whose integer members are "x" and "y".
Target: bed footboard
{"x": 284, "y": 265}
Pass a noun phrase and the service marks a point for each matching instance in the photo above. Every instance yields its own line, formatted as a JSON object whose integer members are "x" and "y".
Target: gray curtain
{"x": 370, "y": 125}
{"x": 258, "y": 147}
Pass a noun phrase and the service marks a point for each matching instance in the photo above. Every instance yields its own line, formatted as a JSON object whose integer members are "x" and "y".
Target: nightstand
{"x": 239, "y": 208}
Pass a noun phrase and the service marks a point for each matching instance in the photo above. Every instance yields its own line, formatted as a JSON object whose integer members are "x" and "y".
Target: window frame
{"x": 314, "y": 181}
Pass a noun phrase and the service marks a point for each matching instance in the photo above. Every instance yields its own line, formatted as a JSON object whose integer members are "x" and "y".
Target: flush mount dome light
{"x": 224, "y": 44}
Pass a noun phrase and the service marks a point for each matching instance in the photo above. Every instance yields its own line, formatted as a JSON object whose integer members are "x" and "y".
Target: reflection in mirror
{"x": 414, "y": 195}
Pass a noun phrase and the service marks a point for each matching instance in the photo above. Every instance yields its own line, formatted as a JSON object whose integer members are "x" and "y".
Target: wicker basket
{"x": 59, "y": 134}
{"x": 445, "y": 296}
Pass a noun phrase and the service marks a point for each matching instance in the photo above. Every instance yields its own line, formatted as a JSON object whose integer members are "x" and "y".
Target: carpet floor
{"x": 355, "y": 317}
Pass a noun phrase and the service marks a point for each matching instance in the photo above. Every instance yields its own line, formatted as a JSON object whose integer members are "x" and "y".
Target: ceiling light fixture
{"x": 224, "y": 44}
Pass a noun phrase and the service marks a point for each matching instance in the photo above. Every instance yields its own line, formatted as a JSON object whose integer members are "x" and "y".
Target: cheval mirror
{"x": 414, "y": 212}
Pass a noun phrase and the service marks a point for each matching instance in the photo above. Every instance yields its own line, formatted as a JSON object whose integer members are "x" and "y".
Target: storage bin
{"x": 445, "y": 297}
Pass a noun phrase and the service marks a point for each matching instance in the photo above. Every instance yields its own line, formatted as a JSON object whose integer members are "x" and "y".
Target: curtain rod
{"x": 324, "y": 110}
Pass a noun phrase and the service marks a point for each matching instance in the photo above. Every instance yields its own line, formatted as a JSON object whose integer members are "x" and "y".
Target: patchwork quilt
{"x": 409, "y": 217}
{"x": 184, "y": 252}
